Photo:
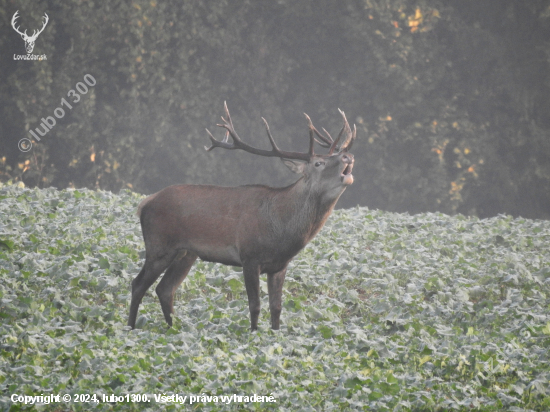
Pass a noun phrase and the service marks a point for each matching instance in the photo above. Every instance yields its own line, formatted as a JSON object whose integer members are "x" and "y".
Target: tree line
{"x": 450, "y": 98}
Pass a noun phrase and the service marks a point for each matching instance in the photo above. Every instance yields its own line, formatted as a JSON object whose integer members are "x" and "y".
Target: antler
{"x": 239, "y": 144}
{"x": 326, "y": 141}
{"x": 46, "y": 20}
{"x": 14, "y": 18}
{"x": 350, "y": 136}
{"x": 34, "y": 33}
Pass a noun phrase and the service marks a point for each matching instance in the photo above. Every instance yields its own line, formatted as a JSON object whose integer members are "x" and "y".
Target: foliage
{"x": 382, "y": 311}
{"x": 451, "y": 99}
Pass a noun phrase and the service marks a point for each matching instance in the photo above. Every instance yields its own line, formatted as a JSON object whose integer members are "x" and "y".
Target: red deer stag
{"x": 256, "y": 227}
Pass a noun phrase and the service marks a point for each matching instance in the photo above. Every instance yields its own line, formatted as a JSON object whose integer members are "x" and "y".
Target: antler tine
{"x": 14, "y": 22}
{"x": 273, "y": 145}
{"x": 35, "y": 33}
{"x": 312, "y": 138}
{"x": 228, "y": 124}
{"x": 349, "y": 142}
{"x": 350, "y": 135}
{"x": 346, "y": 128}
{"x": 312, "y": 141}
{"x": 329, "y": 136}
{"x": 226, "y": 137}
{"x": 326, "y": 142}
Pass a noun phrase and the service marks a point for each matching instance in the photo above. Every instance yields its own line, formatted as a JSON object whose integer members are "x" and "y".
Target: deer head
{"x": 29, "y": 40}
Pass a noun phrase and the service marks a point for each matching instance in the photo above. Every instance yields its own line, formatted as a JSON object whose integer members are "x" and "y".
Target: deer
{"x": 29, "y": 40}
{"x": 256, "y": 227}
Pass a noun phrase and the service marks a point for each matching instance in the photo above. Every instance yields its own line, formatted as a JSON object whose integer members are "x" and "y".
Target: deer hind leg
{"x": 175, "y": 274}
{"x": 275, "y": 289}
{"x": 153, "y": 267}
{"x": 252, "y": 282}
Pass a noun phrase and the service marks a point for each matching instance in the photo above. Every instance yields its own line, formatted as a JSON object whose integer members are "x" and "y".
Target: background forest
{"x": 451, "y": 98}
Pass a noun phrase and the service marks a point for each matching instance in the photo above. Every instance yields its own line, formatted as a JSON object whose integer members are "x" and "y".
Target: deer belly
{"x": 226, "y": 255}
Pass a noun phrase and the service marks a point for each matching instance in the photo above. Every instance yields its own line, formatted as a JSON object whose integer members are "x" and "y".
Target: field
{"x": 381, "y": 312}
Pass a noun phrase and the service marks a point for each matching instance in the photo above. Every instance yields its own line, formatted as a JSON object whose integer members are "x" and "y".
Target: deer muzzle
{"x": 347, "y": 177}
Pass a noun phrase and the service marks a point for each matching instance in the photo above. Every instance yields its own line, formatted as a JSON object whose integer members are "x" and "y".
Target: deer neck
{"x": 303, "y": 209}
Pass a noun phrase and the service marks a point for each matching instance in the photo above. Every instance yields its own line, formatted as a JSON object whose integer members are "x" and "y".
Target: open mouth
{"x": 347, "y": 177}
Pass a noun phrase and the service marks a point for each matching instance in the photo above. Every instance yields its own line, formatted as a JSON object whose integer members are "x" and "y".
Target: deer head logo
{"x": 29, "y": 40}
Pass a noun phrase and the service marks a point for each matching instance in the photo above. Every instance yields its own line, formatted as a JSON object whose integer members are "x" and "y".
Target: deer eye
{"x": 317, "y": 164}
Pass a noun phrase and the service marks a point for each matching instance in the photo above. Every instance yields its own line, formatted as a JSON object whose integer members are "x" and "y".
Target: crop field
{"x": 381, "y": 312}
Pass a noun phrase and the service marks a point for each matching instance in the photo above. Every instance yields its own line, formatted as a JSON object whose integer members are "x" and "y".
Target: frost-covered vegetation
{"x": 382, "y": 311}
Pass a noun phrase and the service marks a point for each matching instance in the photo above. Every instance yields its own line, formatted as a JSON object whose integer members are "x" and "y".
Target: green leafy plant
{"x": 382, "y": 311}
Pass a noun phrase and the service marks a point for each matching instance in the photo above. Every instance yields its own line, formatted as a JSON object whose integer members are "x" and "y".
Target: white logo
{"x": 29, "y": 40}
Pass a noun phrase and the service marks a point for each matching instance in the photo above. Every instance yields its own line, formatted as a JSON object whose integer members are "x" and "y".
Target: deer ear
{"x": 295, "y": 166}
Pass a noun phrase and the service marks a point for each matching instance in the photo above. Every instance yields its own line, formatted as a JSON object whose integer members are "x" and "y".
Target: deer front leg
{"x": 251, "y": 273}
{"x": 275, "y": 289}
